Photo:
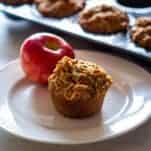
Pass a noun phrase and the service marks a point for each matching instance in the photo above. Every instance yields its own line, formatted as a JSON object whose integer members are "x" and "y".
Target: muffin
{"x": 141, "y": 32}
{"x": 78, "y": 87}
{"x": 59, "y": 8}
{"x": 16, "y": 2}
{"x": 104, "y": 19}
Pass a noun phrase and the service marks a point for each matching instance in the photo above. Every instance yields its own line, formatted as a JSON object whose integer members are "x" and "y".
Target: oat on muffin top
{"x": 103, "y": 19}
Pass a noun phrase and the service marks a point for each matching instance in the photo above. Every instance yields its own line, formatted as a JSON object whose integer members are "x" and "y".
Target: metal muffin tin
{"x": 120, "y": 41}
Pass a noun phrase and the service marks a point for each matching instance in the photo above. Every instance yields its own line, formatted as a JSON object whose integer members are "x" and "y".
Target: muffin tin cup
{"x": 146, "y": 9}
{"x": 120, "y": 42}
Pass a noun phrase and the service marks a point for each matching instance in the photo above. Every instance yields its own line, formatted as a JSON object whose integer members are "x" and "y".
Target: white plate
{"x": 26, "y": 109}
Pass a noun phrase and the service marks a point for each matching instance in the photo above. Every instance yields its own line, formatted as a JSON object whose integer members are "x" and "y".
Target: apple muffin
{"x": 16, "y": 2}
{"x": 141, "y": 32}
{"x": 78, "y": 87}
{"x": 59, "y": 8}
{"x": 104, "y": 19}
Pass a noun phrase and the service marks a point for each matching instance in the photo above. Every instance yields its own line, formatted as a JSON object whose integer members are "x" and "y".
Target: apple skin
{"x": 38, "y": 59}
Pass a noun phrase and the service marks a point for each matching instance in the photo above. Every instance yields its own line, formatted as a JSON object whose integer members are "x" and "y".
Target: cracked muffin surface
{"x": 59, "y": 8}
{"x": 103, "y": 19}
{"x": 141, "y": 32}
{"x": 16, "y": 2}
{"x": 78, "y": 87}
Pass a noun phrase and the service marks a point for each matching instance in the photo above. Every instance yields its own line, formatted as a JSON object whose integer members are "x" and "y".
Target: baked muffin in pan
{"x": 104, "y": 19}
{"x": 141, "y": 32}
{"x": 59, "y": 8}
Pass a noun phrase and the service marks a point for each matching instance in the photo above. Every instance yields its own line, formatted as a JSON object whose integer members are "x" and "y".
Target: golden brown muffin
{"x": 59, "y": 8}
{"x": 16, "y": 2}
{"x": 103, "y": 19}
{"x": 141, "y": 32}
{"x": 78, "y": 87}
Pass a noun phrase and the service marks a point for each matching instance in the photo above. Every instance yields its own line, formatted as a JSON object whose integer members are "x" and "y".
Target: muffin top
{"x": 78, "y": 79}
{"x": 104, "y": 19}
{"x": 141, "y": 32}
{"x": 59, "y": 8}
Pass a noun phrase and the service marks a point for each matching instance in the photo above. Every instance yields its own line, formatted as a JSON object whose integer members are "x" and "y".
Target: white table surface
{"x": 12, "y": 33}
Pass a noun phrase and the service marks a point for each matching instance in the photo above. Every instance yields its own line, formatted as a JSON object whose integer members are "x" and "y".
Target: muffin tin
{"x": 120, "y": 42}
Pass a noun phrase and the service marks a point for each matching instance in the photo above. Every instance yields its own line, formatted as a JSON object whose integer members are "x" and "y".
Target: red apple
{"x": 39, "y": 54}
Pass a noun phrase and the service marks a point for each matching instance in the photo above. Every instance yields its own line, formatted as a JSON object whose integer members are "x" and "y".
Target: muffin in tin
{"x": 78, "y": 87}
{"x": 59, "y": 8}
{"x": 104, "y": 19}
{"x": 141, "y": 32}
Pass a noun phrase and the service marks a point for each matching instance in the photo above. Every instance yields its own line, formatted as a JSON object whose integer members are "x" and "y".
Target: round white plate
{"x": 26, "y": 109}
